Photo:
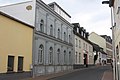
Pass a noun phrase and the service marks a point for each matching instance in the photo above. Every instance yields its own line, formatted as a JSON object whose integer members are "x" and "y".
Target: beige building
{"x": 16, "y": 45}
{"x": 103, "y": 41}
{"x": 83, "y": 47}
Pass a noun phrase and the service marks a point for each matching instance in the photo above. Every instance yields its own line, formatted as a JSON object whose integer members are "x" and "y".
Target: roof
{"x": 8, "y": 16}
{"x": 60, "y": 8}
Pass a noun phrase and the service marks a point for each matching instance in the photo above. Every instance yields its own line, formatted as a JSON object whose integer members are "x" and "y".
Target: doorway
{"x": 20, "y": 63}
{"x": 10, "y": 65}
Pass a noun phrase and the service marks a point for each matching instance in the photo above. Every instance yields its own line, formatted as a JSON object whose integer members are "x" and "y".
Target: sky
{"x": 90, "y": 14}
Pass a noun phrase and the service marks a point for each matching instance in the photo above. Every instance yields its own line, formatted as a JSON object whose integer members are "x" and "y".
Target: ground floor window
{"x": 20, "y": 63}
{"x": 10, "y": 65}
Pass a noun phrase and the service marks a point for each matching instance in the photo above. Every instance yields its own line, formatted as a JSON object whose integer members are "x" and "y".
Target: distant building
{"x": 83, "y": 47}
{"x": 99, "y": 55}
{"x": 103, "y": 43}
{"x": 16, "y": 39}
{"x": 53, "y": 35}
{"x": 108, "y": 47}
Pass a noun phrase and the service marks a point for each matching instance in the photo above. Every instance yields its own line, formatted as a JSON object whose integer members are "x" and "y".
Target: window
{"x": 64, "y": 36}
{"x": 79, "y": 44}
{"x": 59, "y": 33}
{"x": 42, "y": 26}
{"x": 65, "y": 57}
{"x": 50, "y": 55}
{"x": 51, "y": 30}
{"x": 58, "y": 55}
{"x": 10, "y": 63}
{"x": 70, "y": 57}
{"x": 79, "y": 57}
{"x": 76, "y": 42}
{"x": 84, "y": 46}
{"x": 76, "y": 57}
{"x": 77, "y": 30}
{"x": 69, "y": 39}
{"x": 40, "y": 54}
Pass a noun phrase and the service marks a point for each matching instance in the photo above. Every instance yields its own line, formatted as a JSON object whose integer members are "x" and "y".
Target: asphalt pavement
{"x": 95, "y": 73}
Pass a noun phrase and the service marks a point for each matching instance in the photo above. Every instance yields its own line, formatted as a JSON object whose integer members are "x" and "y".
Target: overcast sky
{"x": 91, "y": 14}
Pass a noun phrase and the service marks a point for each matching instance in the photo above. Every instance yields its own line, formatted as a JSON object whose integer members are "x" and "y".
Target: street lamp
{"x": 113, "y": 40}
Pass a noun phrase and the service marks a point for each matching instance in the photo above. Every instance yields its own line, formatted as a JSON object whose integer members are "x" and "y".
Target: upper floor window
{"x": 42, "y": 25}
{"x": 77, "y": 30}
{"x": 69, "y": 39}
{"x": 51, "y": 30}
{"x": 79, "y": 44}
{"x": 64, "y": 36}
{"x": 76, "y": 42}
{"x": 40, "y": 54}
{"x": 59, "y": 33}
{"x": 84, "y": 46}
{"x": 50, "y": 55}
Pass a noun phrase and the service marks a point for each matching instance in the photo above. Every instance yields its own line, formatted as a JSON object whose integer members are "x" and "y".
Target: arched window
{"x": 76, "y": 57}
{"x": 79, "y": 57}
{"x": 51, "y": 55}
{"x": 42, "y": 26}
{"x": 69, "y": 39}
{"x": 51, "y": 30}
{"x": 70, "y": 58}
{"x": 59, "y": 33}
{"x": 65, "y": 57}
{"x": 58, "y": 55}
{"x": 40, "y": 54}
{"x": 64, "y": 36}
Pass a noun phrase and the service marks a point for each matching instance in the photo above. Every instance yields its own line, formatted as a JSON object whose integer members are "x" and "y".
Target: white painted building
{"x": 83, "y": 47}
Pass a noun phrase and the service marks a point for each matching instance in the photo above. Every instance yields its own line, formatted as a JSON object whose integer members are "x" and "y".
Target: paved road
{"x": 86, "y": 74}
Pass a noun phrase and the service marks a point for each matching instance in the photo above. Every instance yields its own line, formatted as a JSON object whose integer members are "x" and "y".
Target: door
{"x": 10, "y": 65}
{"x": 20, "y": 63}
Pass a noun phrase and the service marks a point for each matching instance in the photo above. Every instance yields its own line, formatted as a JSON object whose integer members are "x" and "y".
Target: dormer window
{"x": 77, "y": 30}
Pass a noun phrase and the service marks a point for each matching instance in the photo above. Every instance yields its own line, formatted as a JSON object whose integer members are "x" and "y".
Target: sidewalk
{"x": 108, "y": 75}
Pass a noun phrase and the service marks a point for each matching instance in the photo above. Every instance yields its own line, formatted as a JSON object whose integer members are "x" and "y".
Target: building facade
{"x": 83, "y": 47}
{"x": 99, "y": 55}
{"x": 53, "y": 44}
{"x": 97, "y": 39}
{"x": 16, "y": 40}
{"x": 115, "y": 9}
{"x": 108, "y": 47}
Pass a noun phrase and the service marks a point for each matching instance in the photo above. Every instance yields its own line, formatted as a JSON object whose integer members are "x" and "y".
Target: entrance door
{"x": 10, "y": 65}
{"x": 20, "y": 63}
{"x": 85, "y": 59}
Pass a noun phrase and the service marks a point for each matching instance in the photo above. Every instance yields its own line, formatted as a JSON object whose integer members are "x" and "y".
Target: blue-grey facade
{"x": 53, "y": 41}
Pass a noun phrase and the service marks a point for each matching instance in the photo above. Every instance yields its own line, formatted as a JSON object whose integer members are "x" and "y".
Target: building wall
{"x": 116, "y": 14}
{"x": 15, "y": 40}
{"x": 55, "y": 40}
{"x": 81, "y": 47}
{"x": 98, "y": 40}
